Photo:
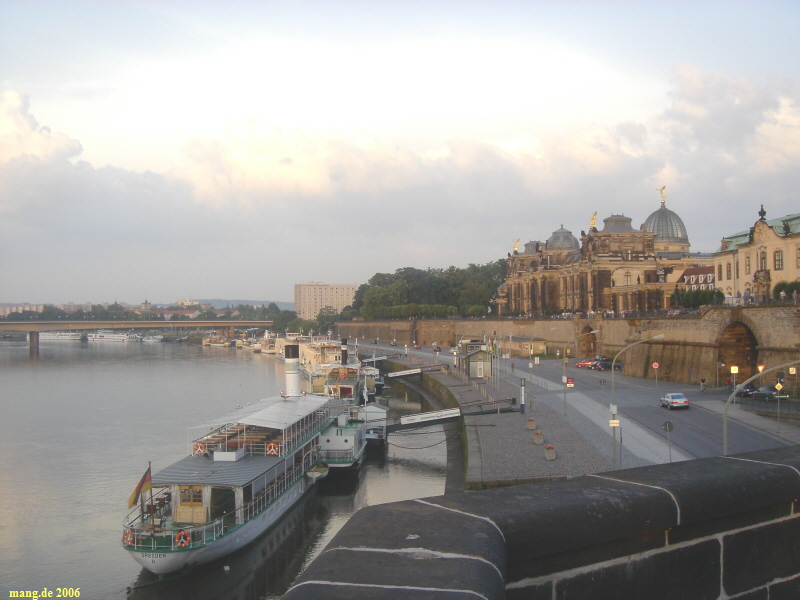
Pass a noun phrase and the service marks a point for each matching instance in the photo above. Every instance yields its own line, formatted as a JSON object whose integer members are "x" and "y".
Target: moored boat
{"x": 245, "y": 471}
{"x": 74, "y": 336}
{"x": 109, "y": 335}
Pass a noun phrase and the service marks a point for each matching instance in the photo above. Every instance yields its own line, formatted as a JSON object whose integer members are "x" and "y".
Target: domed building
{"x": 616, "y": 270}
{"x": 671, "y": 240}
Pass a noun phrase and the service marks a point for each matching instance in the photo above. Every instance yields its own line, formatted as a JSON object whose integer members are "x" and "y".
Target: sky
{"x": 186, "y": 150}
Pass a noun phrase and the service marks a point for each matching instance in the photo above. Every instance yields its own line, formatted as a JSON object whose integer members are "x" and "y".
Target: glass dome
{"x": 562, "y": 239}
{"x": 667, "y": 226}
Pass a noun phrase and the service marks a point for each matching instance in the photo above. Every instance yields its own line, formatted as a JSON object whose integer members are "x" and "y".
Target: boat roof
{"x": 277, "y": 413}
{"x": 199, "y": 470}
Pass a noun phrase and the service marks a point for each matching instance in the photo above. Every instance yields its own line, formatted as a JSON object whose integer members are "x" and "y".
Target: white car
{"x": 675, "y": 400}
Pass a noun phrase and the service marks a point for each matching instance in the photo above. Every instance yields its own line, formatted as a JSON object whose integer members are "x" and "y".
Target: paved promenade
{"x": 502, "y": 449}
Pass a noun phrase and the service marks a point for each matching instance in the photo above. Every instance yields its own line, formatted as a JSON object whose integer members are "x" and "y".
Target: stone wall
{"x": 689, "y": 351}
{"x": 721, "y": 527}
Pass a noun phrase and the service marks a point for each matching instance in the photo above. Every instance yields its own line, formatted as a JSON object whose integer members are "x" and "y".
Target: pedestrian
{"x": 728, "y": 383}
{"x": 703, "y": 385}
{"x": 512, "y": 367}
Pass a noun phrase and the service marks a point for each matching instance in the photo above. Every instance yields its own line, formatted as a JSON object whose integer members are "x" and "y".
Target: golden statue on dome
{"x": 516, "y": 245}
{"x": 663, "y": 194}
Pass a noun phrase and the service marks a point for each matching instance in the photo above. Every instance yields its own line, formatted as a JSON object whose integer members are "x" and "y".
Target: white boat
{"x": 152, "y": 339}
{"x": 109, "y": 335}
{"x": 60, "y": 335}
{"x": 245, "y": 471}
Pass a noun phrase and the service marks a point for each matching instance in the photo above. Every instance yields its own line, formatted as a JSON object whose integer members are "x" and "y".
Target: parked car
{"x": 605, "y": 365}
{"x": 746, "y": 391}
{"x": 769, "y": 392}
{"x": 674, "y": 400}
{"x": 586, "y": 362}
{"x": 417, "y": 347}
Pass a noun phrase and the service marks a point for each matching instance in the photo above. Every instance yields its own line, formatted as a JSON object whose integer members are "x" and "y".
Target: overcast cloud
{"x": 234, "y": 149}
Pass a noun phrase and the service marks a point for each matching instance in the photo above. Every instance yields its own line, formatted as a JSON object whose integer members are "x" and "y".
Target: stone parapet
{"x": 657, "y": 532}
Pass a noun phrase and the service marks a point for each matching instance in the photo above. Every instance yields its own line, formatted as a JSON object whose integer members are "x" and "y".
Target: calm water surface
{"x": 78, "y": 425}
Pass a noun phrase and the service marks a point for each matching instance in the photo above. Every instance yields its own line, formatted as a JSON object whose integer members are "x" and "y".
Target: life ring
{"x": 199, "y": 448}
{"x": 272, "y": 448}
{"x": 342, "y": 375}
{"x": 127, "y": 537}
{"x": 182, "y": 539}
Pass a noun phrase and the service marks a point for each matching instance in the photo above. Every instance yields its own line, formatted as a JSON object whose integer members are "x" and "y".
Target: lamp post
{"x": 733, "y": 395}
{"x": 613, "y": 386}
{"x": 564, "y": 376}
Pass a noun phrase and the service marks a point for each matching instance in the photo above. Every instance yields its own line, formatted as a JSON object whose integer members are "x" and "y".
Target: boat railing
{"x": 149, "y": 537}
{"x": 226, "y": 439}
{"x": 337, "y": 456}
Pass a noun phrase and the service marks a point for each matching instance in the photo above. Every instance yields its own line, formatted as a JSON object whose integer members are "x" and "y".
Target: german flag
{"x": 145, "y": 483}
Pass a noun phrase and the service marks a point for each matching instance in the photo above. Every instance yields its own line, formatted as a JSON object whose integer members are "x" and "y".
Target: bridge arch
{"x": 737, "y": 347}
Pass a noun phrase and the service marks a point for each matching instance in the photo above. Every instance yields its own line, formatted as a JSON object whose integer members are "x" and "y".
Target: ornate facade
{"x": 617, "y": 269}
{"x": 749, "y": 263}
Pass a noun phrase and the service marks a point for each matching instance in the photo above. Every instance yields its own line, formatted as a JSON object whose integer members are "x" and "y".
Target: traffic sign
{"x": 778, "y": 387}
{"x": 613, "y": 422}
{"x": 570, "y": 382}
{"x": 655, "y": 365}
{"x": 667, "y": 426}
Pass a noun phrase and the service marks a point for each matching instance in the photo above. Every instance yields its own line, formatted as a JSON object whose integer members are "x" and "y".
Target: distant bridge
{"x": 33, "y": 328}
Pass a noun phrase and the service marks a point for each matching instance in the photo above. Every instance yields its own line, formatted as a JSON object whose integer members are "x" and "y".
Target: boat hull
{"x": 162, "y": 563}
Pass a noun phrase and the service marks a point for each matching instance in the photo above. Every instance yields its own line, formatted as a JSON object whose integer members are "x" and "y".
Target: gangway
{"x": 426, "y": 418}
{"x": 422, "y": 369}
{"x": 377, "y": 358}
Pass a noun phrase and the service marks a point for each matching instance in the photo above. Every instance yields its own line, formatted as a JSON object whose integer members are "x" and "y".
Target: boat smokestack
{"x": 344, "y": 351}
{"x": 292, "y": 356}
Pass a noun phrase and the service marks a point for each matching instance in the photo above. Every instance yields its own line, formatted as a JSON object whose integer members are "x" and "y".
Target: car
{"x": 393, "y": 344}
{"x": 674, "y": 400}
{"x": 586, "y": 362}
{"x": 605, "y": 365}
{"x": 437, "y": 348}
{"x": 769, "y": 392}
{"x": 417, "y": 347}
{"x": 746, "y": 391}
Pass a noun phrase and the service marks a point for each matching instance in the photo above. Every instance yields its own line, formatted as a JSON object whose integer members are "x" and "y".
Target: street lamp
{"x": 613, "y": 387}
{"x": 564, "y": 376}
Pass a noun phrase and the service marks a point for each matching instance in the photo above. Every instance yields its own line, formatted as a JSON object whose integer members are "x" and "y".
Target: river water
{"x": 78, "y": 425}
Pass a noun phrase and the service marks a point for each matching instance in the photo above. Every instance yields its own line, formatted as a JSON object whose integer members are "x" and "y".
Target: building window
{"x": 728, "y": 270}
{"x": 736, "y": 268}
{"x": 798, "y": 256}
{"x": 778, "y": 260}
{"x": 719, "y": 272}
{"x": 627, "y": 278}
{"x": 747, "y": 265}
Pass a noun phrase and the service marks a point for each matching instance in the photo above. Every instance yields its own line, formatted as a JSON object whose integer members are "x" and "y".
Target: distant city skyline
{"x": 208, "y": 149}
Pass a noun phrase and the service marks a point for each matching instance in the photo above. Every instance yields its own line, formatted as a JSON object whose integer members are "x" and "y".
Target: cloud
{"x": 261, "y": 207}
{"x": 20, "y": 134}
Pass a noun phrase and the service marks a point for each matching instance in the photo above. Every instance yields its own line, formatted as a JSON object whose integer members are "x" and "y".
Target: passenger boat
{"x": 244, "y": 472}
{"x": 152, "y": 339}
{"x": 109, "y": 335}
{"x": 60, "y": 335}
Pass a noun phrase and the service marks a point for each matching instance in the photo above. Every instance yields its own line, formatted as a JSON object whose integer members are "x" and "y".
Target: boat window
{"x": 191, "y": 495}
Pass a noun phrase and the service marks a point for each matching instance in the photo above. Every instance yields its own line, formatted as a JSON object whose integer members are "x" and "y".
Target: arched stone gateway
{"x": 587, "y": 344}
{"x": 737, "y": 347}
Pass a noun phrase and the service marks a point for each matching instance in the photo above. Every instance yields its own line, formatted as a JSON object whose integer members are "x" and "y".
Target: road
{"x": 696, "y": 431}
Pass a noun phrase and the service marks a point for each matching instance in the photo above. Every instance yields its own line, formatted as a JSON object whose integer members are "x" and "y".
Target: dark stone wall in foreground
{"x": 724, "y": 527}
